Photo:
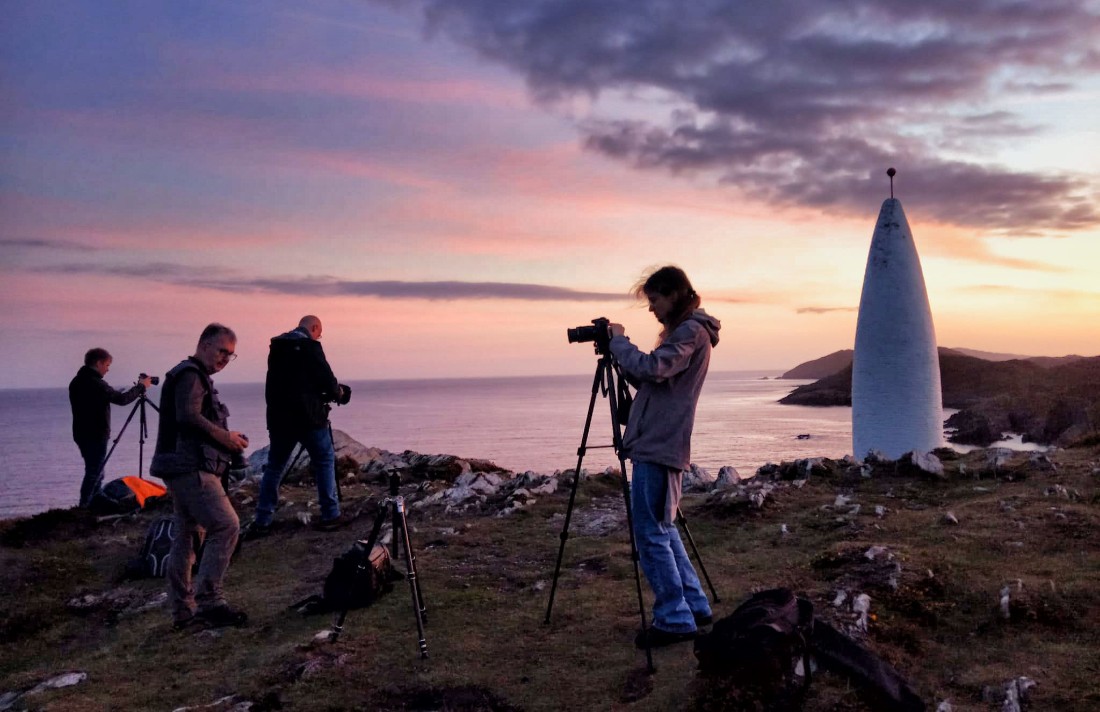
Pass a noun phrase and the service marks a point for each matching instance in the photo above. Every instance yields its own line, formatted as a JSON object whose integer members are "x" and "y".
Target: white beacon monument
{"x": 897, "y": 404}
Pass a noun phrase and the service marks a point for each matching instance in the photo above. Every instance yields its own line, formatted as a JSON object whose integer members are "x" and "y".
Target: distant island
{"x": 1049, "y": 400}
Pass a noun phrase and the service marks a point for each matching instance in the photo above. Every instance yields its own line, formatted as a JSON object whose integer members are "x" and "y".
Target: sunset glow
{"x": 452, "y": 185}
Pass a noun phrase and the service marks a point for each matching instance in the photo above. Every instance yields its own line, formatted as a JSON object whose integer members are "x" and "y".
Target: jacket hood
{"x": 709, "y": 323}
{"x": 293, "y": 335}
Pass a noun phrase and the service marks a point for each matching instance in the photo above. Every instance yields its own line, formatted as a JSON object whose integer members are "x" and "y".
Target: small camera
{"x": 597, "y": 333}
{"x": 343, "y": 395}
{"x": 155, "y": 380}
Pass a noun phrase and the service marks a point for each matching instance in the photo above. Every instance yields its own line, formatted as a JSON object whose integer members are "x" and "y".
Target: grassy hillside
{"x": 1025, "y": 525}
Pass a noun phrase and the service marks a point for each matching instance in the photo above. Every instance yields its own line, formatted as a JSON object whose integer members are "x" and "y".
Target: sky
{"x": 449, "y": 186}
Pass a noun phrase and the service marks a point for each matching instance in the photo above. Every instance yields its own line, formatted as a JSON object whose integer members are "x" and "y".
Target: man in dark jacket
{"x": 90, "y": 398}
{"x": 194, "y": 449}
{"x": 300, "y": 385}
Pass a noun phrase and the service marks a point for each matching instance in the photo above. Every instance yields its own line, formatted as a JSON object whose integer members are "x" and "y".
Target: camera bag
{"x": 759, "y": 645}
{"x": 753, "y": 654}
{"x": 347, "y": 587}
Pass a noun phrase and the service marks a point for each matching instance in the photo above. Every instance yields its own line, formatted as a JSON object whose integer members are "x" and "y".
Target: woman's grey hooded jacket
{"x": 669, "y": 380}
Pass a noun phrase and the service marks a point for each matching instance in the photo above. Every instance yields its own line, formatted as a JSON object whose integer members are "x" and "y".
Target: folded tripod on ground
{"x": 393, "y": 505}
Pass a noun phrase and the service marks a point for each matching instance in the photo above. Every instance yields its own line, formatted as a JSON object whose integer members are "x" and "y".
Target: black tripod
{"x": 396, "y": 503}
{"x": 143, "y": 432}
{"x": 618, "y": 397}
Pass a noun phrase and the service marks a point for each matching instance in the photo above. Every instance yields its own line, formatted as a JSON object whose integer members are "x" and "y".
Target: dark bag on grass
{"x": 126, "y": 495}
{"x": 115, "y": 498}
{"x": 346, "y": 587}
{"x": 757, "y": 649}
{"x": 760, "y": 644}
{"x": 152, "y": 560}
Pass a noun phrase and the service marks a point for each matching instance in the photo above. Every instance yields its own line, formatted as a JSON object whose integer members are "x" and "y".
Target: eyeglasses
{"x": 227, "y": 354}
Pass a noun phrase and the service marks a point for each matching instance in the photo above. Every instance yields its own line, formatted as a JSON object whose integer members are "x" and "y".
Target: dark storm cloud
{"x": 228, "y": 281}
{"x": 807, "y": 103}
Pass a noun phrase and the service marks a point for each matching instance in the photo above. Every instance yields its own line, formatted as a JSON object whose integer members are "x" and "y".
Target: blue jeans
{"x": 678, "y": 595}
{"x": 322, "y": 461}
{"x": 93, "y": 452}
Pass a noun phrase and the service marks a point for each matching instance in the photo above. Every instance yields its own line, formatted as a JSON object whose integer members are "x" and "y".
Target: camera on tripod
{"x": 599, "y": 333}
{"x": 155, "y": 380}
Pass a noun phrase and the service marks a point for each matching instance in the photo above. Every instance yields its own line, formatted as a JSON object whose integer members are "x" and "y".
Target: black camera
{"x": 343, "y": 394}
{"x": 599, "y": 333}
{"x": 155, "y": 380}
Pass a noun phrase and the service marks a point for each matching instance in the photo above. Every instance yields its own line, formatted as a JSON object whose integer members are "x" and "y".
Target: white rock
{"x": 927, "y": 462}
{"x": 1005, "y": 600}
{"x": 874, "y": 552}
{"x": 727, "y": 477}
{"x": 861, "y": 605}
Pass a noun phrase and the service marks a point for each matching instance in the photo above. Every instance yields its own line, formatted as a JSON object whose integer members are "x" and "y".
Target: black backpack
{"x": 751, "y": 656}
{"x": 115, "y": 497}
{"x": 759, "y": 645}
{"x": 152, "y": 560}
{"x": 346, "y": 588}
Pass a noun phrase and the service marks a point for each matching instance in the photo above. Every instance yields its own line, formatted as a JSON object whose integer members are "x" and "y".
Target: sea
{"x": 520, "y": 423}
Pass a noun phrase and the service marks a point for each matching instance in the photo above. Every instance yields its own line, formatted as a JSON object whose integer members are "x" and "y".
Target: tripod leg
{"x": 695, "y": 550}
{"x": 332, "y": 439}
{"x": 573, "y": 490}
{"x": 143, "y": 432}
{"x": 360, "y": 570}
{"x": 397, "y": 531}
{"x": 114, "y": 443}
{"x": 617, "y": 438}
{"x": 419, "y": 610}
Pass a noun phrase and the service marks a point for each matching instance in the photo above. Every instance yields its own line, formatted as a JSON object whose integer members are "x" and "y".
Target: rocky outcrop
{"x": 371, "y": 464}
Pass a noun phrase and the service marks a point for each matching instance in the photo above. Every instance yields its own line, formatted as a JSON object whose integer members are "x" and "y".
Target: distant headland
{"x": 1048, "y": 400}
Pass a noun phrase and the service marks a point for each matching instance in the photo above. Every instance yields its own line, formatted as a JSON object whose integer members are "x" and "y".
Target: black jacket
{"x": 90, "y": 398}
{"x": 299, "y": 383}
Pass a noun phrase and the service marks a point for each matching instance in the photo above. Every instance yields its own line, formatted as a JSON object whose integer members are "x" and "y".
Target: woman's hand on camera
{"x": 616, "y": 330}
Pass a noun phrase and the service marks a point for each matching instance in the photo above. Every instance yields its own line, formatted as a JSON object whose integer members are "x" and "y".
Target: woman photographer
{"x": 658, "y": 443}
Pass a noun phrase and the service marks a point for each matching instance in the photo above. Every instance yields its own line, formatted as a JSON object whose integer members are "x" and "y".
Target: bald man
{"x": 300, "y": 385}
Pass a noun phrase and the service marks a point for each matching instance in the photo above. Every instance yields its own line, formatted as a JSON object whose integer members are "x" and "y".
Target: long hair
{"x": 669, "y": 281}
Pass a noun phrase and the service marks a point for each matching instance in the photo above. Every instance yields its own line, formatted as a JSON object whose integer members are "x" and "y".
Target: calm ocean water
{"x": 532, "y": 423}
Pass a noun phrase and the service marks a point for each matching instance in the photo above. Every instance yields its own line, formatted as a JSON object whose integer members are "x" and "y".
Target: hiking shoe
{"x": 330, "y": 525}
{"x": 657, "y": 638}
{"x": 255, "y": 531}
{"x": 187, "y": 622}
{"x": 223, "y": 616}
{"x": 701, "y": 619}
